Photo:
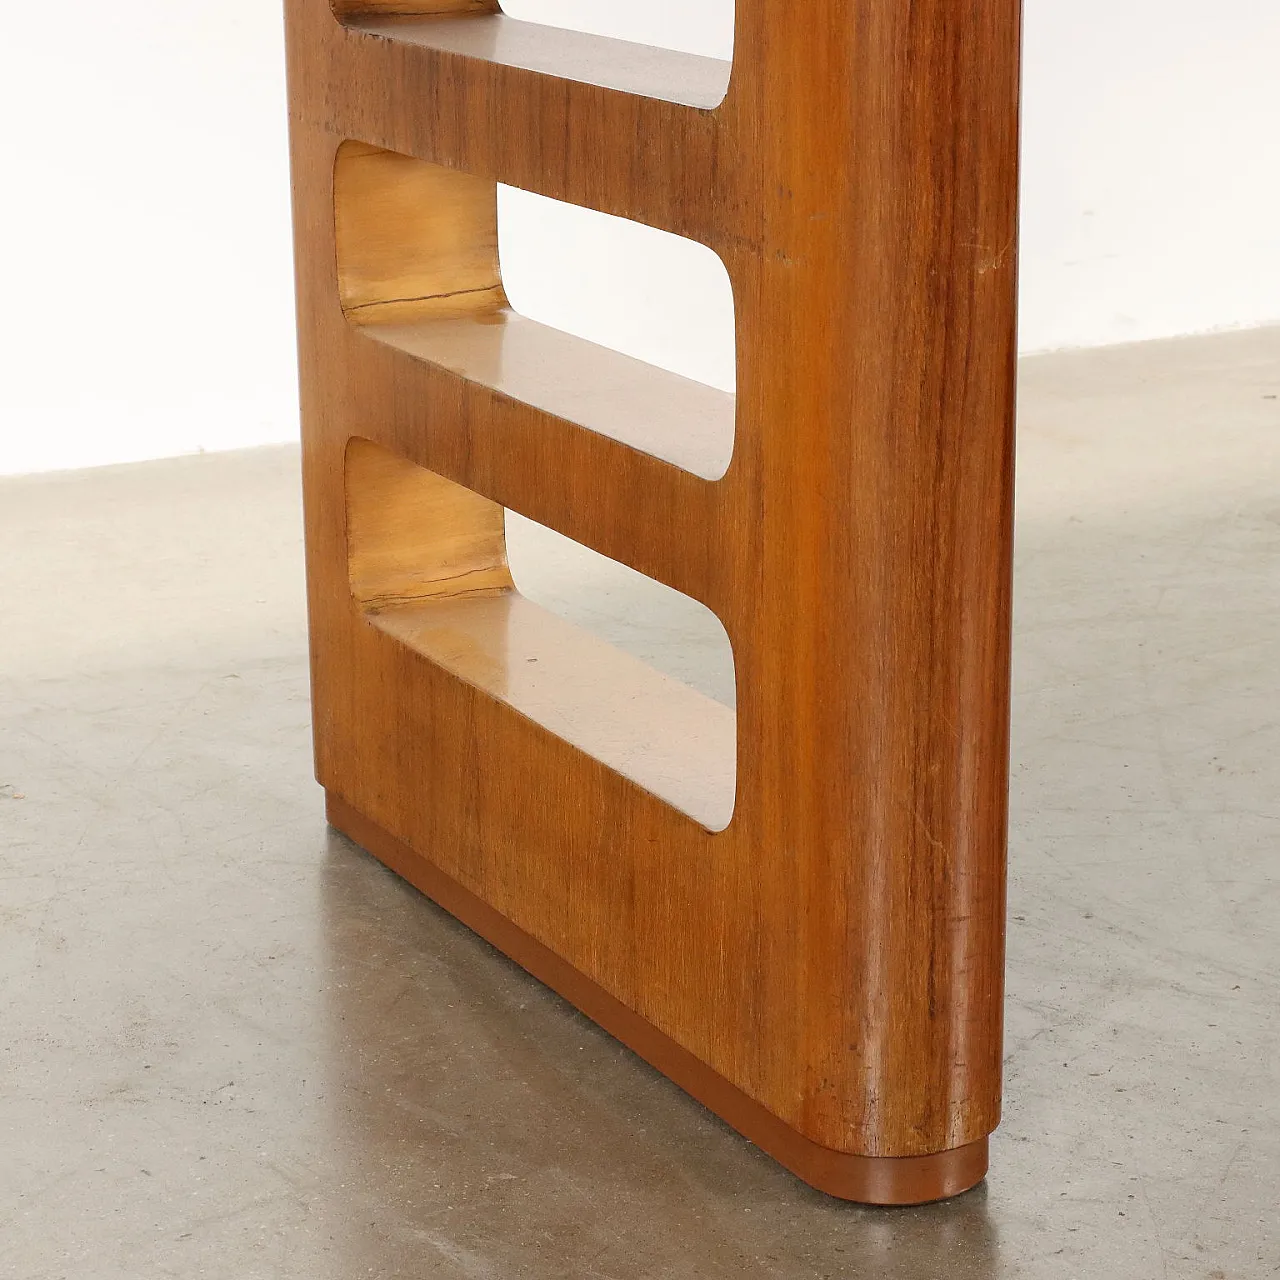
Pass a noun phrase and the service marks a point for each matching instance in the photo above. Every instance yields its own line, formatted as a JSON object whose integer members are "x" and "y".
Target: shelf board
{"x": 683, "y": 422}
{"x": 671, "y": 740}
{"x": 682, "y": 78}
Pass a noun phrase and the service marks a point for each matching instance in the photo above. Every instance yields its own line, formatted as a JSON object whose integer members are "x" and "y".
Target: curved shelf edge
{"x": 670, "y": 417}
{"x": 683, "y": 79}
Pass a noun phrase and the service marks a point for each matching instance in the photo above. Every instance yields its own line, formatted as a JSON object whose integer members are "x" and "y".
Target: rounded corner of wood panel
{"x": 884, "y": 1181}
{"x": 888, "y": 1181}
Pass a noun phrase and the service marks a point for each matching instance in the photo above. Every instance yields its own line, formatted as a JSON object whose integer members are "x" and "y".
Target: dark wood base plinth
{"x": 868, "y": 1180}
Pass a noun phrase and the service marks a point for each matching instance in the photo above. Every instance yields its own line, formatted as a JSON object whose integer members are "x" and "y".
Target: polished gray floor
{"x": 231, "y": 1045}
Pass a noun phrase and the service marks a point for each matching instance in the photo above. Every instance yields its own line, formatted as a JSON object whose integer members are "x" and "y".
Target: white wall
{"x": 144, "y": 224}
{"x": 144, "y": 211}
{"x": 1151, "y": 169}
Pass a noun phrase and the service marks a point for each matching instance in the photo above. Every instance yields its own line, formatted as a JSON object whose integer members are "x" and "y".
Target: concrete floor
{"x": 234, "y": 1046}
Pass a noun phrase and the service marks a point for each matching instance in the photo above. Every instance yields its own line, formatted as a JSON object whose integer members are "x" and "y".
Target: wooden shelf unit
{"x": 797, "y": 911}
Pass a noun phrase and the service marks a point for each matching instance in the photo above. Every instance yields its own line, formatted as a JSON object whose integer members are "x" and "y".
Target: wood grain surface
{"x": 834, "y": 955}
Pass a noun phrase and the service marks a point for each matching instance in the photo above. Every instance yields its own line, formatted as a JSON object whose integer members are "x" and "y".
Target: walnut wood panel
{"x": 832, "y": 961}
{"x": 459, "y": 108}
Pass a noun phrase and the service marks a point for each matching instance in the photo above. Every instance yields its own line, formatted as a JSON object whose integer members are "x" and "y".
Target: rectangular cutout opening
{"x": 627, "y": 670}
{"x": 651, "y": 295}
{"x": 664, "y": 49}
{"x": 704, "y": 29}
{"x": 617, "y": 327}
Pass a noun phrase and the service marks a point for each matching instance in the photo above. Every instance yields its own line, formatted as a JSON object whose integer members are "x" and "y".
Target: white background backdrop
{"x": 144, "y": 210}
